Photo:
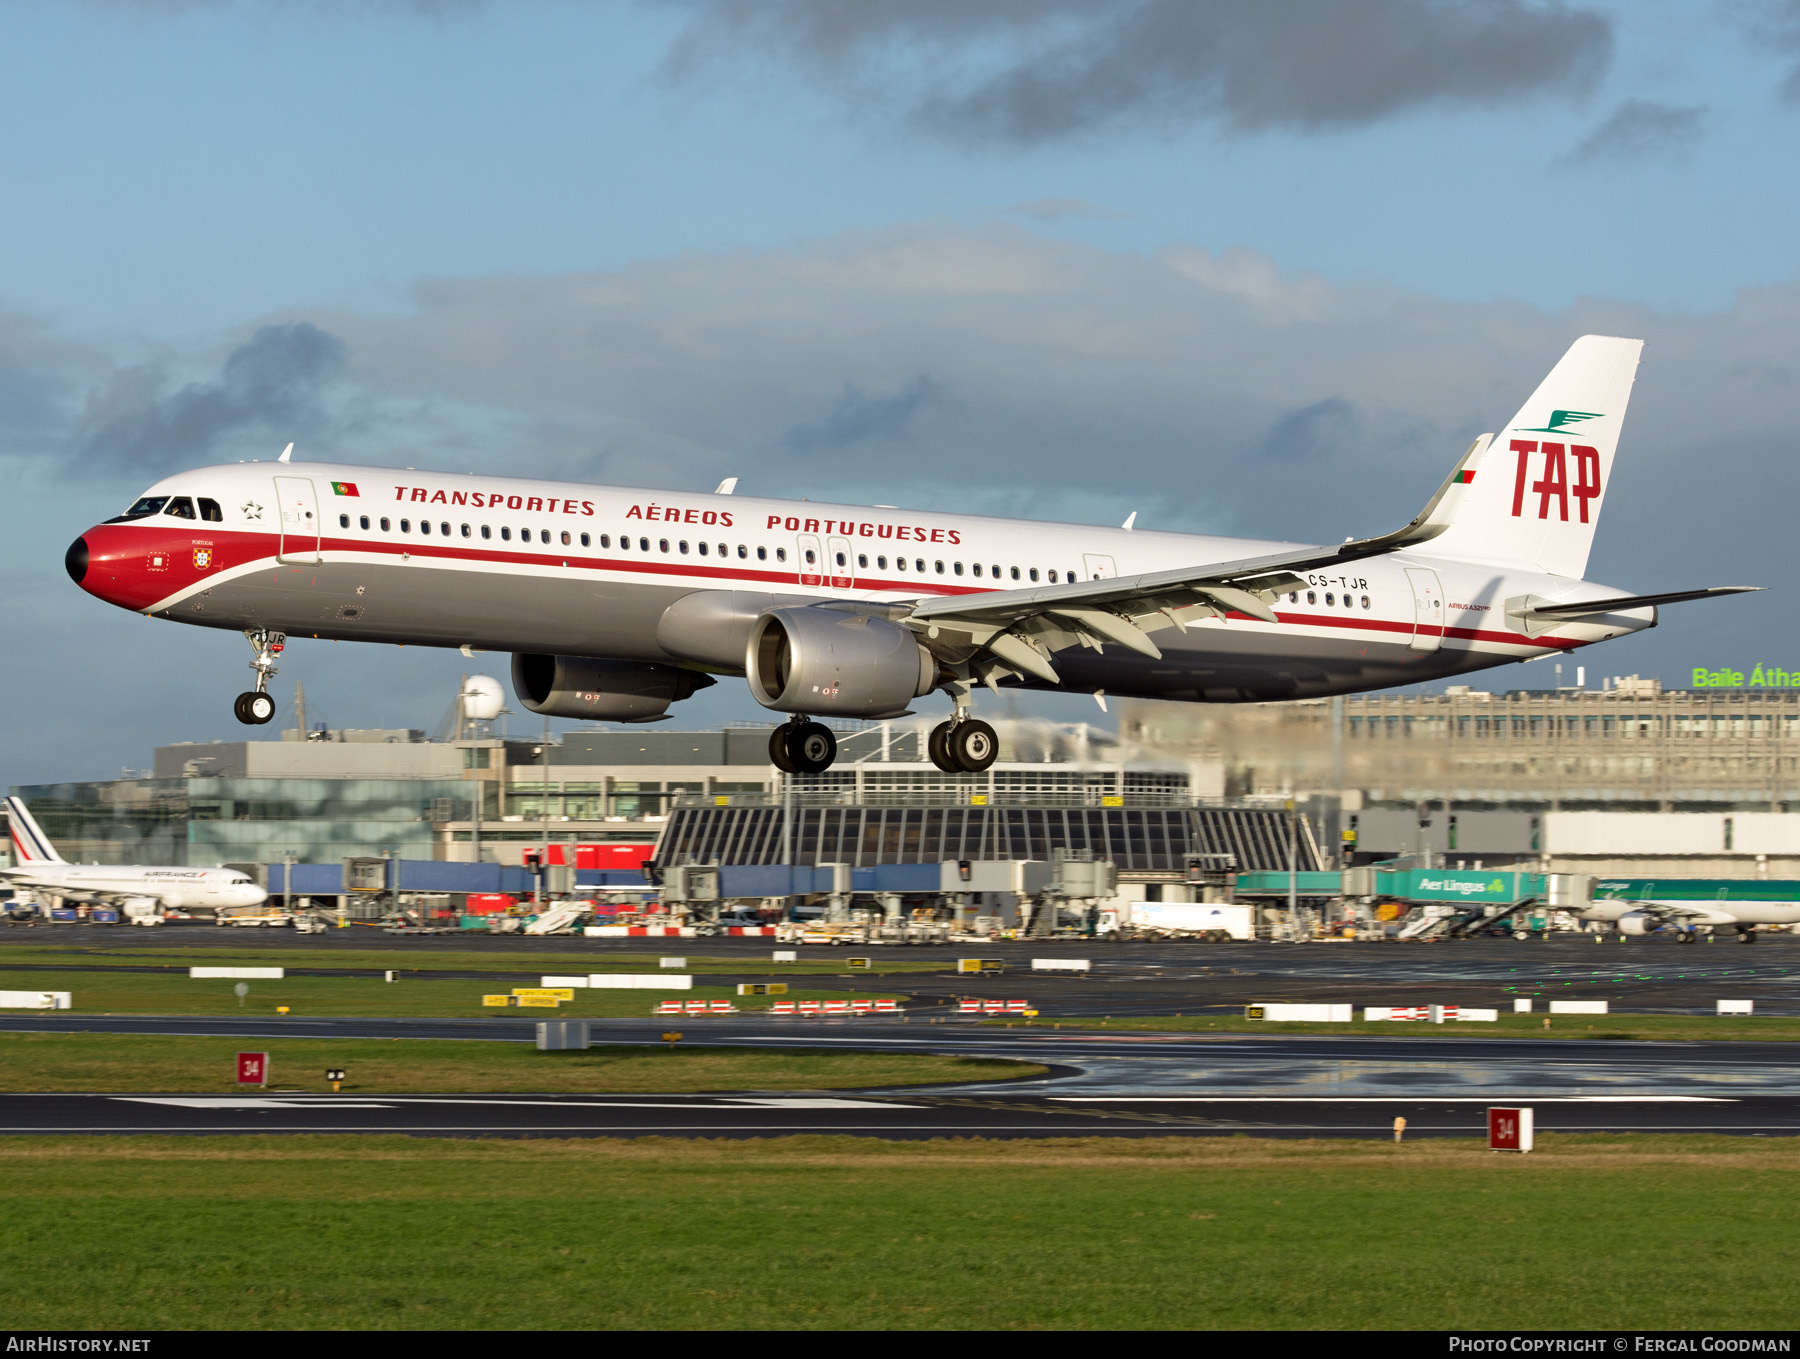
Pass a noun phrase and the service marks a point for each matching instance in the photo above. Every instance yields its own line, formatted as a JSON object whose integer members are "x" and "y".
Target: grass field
{"x": 1668, "y": 1028}
{"x": 484, "y": 957}
{"x": 816, "y": 1233}
{"x": 175, "y": 993}
{"x": 165, "y": 1064}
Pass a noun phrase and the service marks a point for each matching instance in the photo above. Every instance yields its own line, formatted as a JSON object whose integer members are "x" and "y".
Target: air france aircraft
{"x": 39, "y": 867}
{"x": 616, "y": 603}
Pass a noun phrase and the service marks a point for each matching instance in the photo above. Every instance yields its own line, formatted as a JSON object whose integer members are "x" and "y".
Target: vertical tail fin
{"x": 30, "y": 844}
{"x": 1534, "y": 495}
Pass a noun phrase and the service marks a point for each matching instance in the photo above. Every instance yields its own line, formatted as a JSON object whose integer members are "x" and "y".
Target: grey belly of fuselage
{"x": 397, "y": 604}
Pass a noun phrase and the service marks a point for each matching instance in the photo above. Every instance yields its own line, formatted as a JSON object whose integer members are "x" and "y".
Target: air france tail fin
{"x": 1533, "y": 496}
{"x": 30, "y": 844}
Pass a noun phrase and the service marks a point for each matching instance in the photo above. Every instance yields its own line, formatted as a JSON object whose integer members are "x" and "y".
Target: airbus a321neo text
{"x": 616, "y": 603}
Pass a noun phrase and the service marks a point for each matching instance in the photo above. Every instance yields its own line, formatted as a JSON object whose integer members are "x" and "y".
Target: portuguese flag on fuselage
{"x": 344, "y": 487}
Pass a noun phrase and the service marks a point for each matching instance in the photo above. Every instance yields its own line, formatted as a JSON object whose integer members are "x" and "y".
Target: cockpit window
{"x": 181, "y": 507}
{"x": 147, "y": 506}
{"x": 210, "y": 512}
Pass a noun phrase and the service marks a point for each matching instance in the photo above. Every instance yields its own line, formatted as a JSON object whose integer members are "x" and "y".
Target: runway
{"x": 1125, "y": 1084}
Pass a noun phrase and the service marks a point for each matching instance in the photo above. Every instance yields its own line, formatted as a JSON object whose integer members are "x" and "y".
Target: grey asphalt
{"x": 1125, "y": 1084}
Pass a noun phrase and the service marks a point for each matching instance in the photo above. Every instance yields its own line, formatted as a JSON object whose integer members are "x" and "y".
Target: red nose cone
{"x": 131, "y": 565}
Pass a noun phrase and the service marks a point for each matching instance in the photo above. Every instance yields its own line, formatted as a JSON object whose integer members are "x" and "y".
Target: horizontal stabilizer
{"x": 1586, "y": 608}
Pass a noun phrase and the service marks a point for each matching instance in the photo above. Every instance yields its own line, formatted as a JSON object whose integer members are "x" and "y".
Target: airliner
{"x": 616, "y": 602}
{"x": 38, "y": 867}
{"x": 1688, "y": 905}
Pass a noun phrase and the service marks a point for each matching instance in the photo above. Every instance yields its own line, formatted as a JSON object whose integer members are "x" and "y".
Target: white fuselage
{"x": 495, "y": 563}
{"x": 174, "y": 888}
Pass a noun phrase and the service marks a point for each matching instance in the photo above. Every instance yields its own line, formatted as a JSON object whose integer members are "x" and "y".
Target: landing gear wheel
{"x": 811, "y": 747}
{"x": 1687, "y": 937}
{"x": 1746, "y": 936}
{"x": 940, "y": 754}
{"x": 973, "y": 745}
{"x": 778, "y": 749}
{"x": 253, "y": 709}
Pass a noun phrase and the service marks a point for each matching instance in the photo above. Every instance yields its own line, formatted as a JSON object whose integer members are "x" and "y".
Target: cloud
{"x": 1019, "y": 73}
{"x": 857, "y": 417}
{"x": 1313, "y": 432}
{"x": 271, "y": 386}
{"x": 1053, "y": 210}
{"x": 1639, "y": 129}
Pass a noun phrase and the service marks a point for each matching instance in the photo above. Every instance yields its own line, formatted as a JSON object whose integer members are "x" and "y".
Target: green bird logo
{"x": 1561, "y": 421}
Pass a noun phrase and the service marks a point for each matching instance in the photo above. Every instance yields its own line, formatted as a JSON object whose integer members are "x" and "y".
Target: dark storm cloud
{"x": 1313, "y": 432}
{"x": 1021, "y": 73}
{"x": 1639, "y": 129}
{"x": 858, "y": 417}
{"x": 271, "y": 386}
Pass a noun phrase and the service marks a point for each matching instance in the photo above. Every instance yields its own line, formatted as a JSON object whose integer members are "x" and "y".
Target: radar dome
{"x": 482, "y": 698}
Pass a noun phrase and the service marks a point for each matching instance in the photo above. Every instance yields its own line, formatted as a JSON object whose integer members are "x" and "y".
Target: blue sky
{"x": 653, "y": 241}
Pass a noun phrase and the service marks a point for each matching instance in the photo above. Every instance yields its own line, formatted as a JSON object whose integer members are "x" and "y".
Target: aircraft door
{"x": 1428, "y": 609}
{"x": 299, "y": 520}
{"x": 839, "y": 565}
{"x": 811, "y": 565}
{"x": 1099, "y": 566}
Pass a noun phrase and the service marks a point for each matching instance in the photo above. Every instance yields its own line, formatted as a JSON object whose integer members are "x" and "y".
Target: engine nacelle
{"x": 601, "y": 691}
{"x": 1638, "y": 922}
{"x": 824, "y": 662}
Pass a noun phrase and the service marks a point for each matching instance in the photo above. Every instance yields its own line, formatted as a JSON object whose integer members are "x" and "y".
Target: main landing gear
{"x": 802, "y": 746}
{"x": 963, "y": 745}
{"x": 255, "y": 707}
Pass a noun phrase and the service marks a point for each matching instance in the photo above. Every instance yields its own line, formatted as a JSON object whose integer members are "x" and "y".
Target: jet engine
{"x": 601, "y": 691}
{"x": 824, "y": 662}
{"x": 1638, "y": 922}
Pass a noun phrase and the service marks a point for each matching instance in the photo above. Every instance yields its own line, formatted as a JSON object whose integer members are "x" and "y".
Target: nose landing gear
{"x": 255, "y": 707}
{"x": 802, "y": 746}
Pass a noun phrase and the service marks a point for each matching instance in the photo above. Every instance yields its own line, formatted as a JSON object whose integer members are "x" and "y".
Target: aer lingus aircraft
{"x": 38, "y": 867}
{"x": 617, "y": 602}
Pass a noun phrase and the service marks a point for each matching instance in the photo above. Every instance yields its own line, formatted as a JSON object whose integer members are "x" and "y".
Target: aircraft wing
{"x": 1019, "y": 628}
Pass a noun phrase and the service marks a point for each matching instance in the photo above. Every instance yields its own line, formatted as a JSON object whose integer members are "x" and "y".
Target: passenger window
{"x": 1053, "y": 575}
{"x": 343, "y": 521}
{"x": 956, "y": 566}
{"x": 862, "y": 561}
{"x": 384, "y": 524}
{"x": 682, "y": 547}
{"x": 781, "y": 554}
{"x": 663, "y": 543}
{"x": 977, "y": 568}
{"x": 505, "y": 534}
{"x": 424, "y": 525}
{"x": 643, "y": 544}
{"x": 919, "y": 565}
{"x": 406, "y": 526}
{"x": 762, "y": 554}
{"x": 1293, "y": 596}
{"x": 1330, "y": 600}
{"x": 1365, "y": 601}
{"x": 444, "y": 529}
{"x": 996, "y": 573}
{"x": 585, "y": 540}
{"x": 810, "y": 558}
{"x": 605, "y": 539}
{"x": 1311, "y": 597}
{"x": 566, "y": 540}
{"x": 724, "y": 550}
{"x": 840, "y": 559}
{"x": 210, "y": 512}
{"x": 465, "y": 531}
{"x": 543, "y": 535}
{"x": 900, "y": 562}
{"x": 1015, "y": 573}
{"x": 486, "y": 532}
{"x": 1033, "y": 573}
{"x": 881, "y": 563}
{"x": 364, "y": 522}
{"x": 181, "y": 507}
{"x": 704, "y": 549}
{"x": 743, "y": 551}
